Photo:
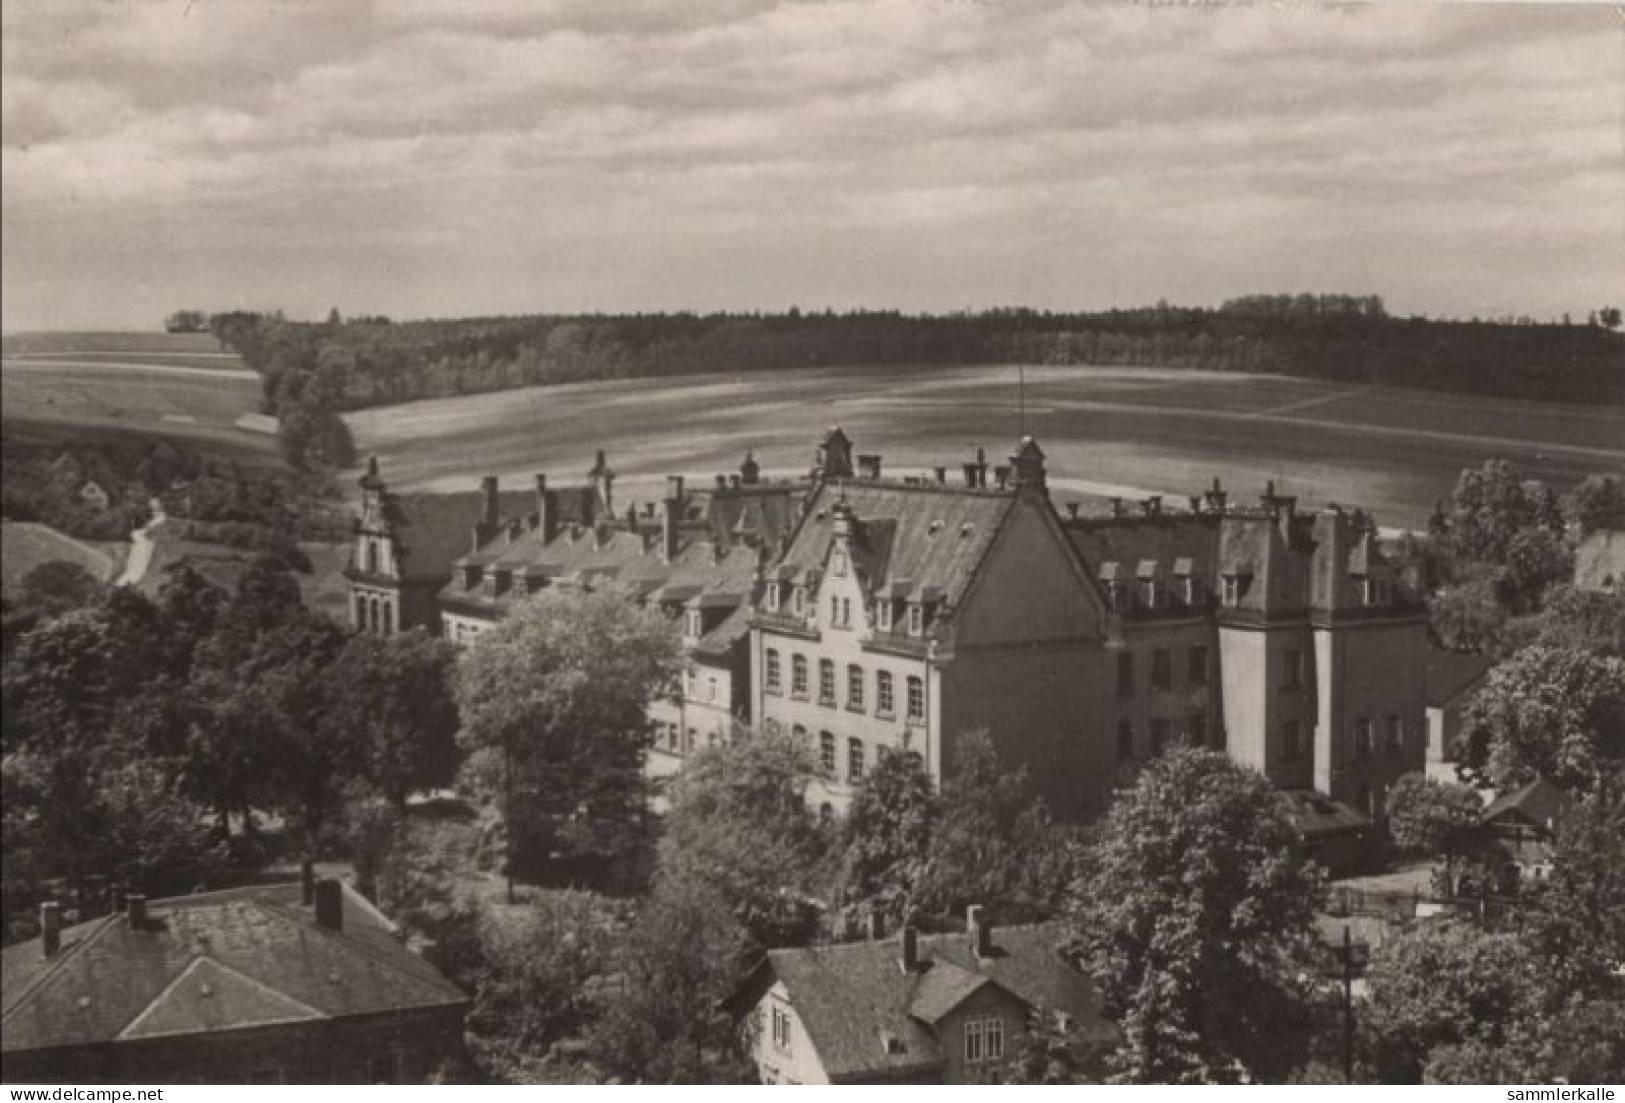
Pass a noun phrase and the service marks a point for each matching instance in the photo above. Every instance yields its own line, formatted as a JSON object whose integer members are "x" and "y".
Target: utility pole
{"x": 1348, "y": 1007}
{"x": 507, "y": 787}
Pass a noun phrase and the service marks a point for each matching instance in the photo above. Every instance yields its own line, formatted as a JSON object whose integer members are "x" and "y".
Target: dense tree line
{"x": 313, "y": 370}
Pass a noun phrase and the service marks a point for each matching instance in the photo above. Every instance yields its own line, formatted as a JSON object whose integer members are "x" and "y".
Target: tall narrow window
{"x": 826, "y": 753}
{"x": 916, "y": 619}
{"x": 1291, "y": 740}
{"x": 1197, "y": 729}
{"x": 1162, "y": 669}
{"x": 771, "y": 677}
{"x": 854, "y": 760}
{"x": 826, "y": 682}
{"x": 1292, "y": 669}
{"x": 916, "y": 699}
{"x": 854, "y": 688}
{"x": 1396, "y": 733}
{"x": 1196, "y": 666}
{"x": 1125, "y": 674}
{"x": 883, "y": 693}
{"x": 1231, "y": 591}
{"x": 1160, "y": 729}
{"x": 1362, "y": 738}
{"x": 798, "y": 675}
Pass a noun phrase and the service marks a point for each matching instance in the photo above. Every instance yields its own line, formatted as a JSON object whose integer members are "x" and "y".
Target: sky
{"x": 460, "y": 157}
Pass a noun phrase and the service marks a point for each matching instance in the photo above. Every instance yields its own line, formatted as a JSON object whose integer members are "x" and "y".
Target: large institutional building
{"x": 867, "y": 613}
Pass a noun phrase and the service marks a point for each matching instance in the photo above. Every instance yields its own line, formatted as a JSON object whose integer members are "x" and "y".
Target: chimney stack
{"x": 942, "y": 475}
{"x": 1001, "y": 475}
{"x": 1072, "y": 511}
{"x": 488, "y": 487}
{"x": 910, "y": 939}
{"x": 869, "y": 466}
{"x": 307, "y": 883}
{"x": 546, "y": 517}
{"x": 330, "y": 904}
{"x": 135, "y": 909}
{"x": 981, "y": 930}
{"x": 50, "y": 923}
{"x": 670, "y": 516}
{"x": 1117, "y": 507}
{"x": 970, "y": 475}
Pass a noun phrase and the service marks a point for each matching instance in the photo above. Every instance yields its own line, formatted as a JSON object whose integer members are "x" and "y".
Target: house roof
{"x": 207, "y": 963}
{"x": 1449, "y": 674}
{"x": 1316, "y": 815}
{"x": 854, "y": 996}
{"x": 932, "y": 536}
{"x": 1540, "y": 802}
{"x": 1599, "y": 561}
{"x": 432, "y": 530}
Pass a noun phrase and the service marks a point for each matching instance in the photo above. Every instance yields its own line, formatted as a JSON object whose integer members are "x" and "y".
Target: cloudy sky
{"x": 451, "y": 157}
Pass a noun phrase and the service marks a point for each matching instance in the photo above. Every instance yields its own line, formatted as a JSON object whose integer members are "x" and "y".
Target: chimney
{"x": 750, "y": 472}
{"x": 670, "y": 509}
{"x": 1152, "y": 506}
{"x": 970, "y": 475}
{"x": 50, "y": 924}
{"x": 910, "y": 939}
{"x": 877, "y": 927}
{"x": 1072, "y": 511}
{"x": 1001, "y": 475}
{"x": 733, "y": 481}
{"x": 1196, "y": 503}
{"x": 1117, "y": 507}
{"x": 869, "y": 466}
{"x": 135, "y": 909}
{"x": 488, "y": 487}
{"x": 307, "y": 883}
{"x": 1216, "y": 497}
{"x": 981, "y": 930}
{"x": 722, "y": 482}
{"x": 547, "y": 518}
{"x": 330, "y": 904}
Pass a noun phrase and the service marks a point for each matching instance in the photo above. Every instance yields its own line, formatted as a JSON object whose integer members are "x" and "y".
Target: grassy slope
{"x": 25, "y": 545}
{"x": 1392, "y": 450}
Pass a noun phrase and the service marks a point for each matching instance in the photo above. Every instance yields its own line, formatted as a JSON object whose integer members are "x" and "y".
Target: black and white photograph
{"x": 577, "y": 543}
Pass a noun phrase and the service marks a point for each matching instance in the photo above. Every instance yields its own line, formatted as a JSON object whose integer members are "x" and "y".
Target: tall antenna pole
{"x": 1021, "y": 396}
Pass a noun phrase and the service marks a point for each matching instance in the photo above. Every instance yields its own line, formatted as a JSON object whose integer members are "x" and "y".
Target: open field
{"x": 181, "y": 386}
{"x": 323, "y": 589}
{"x": 25, "y": 545}
{"x": 1393, "y": 450}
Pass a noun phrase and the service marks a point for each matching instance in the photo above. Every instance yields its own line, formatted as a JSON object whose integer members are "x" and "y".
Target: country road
{"x": 135, "y": 567}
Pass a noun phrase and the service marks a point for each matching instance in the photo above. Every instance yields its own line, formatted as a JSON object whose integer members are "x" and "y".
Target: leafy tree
{"x": 1434, "y": 819}
{"x": 1574, "y": 619}
{"x": 1489, "y": 507}
{"x": 666, "y": 1024}
{"x": 1598, "y": 502}
{"x": 1535, "y": 559}
{"x": 1467, "y": 616}
{"x": 887, "y": 839}
{"x": 1551, "y": 712}
{"x": 1194, "y": 915}
{"x": 395, "y": 695}
{"x": 1579, "y": 914}
{"x": 58, "y": 587}
{"x": 739, "y": 829}
{"x": 1053, "y": 1053}
{"x": 558, "y": 691}
{"x": 1439, "y": 984}
{"x": 992, "y": 843}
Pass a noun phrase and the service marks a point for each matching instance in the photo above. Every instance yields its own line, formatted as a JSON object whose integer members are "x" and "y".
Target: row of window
{"x": 840, "y": 609}
{"x": 374, "y": 614}
{"x": 1162, "y": 730}
{"x": 1162, "y": 670}
{"x": 856, "y": 685}
{"x": 669, "y": 737}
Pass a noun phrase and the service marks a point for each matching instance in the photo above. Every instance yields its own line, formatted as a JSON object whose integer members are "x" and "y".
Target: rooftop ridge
{"x": 58, "y": 961}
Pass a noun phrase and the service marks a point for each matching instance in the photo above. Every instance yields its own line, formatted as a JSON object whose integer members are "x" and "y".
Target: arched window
{"x": 798, "y": 675}
{"x": 387, "y": 624}
{"x": 916, "y": 699}
{"x": 826, "y": 753}
{"x": 883, "y": 693}
{"x": 854, "y": 760}
{"x": 772, "y": 675}
{"x": 372, "y": 615}
{"x": 358, "y": 612}
{"x": 372, "y": 557}
{"x": 826, "y": 682}
{"x": 854, "y": 688}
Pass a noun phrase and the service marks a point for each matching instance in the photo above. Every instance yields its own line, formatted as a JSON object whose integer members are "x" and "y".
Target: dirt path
{"x": 135, "y": 567}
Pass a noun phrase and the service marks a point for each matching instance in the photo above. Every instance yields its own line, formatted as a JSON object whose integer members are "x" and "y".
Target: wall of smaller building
{"x": 796, "y": 1063}
{"x": 989, "y": 1002}
{"x": 1373, "y": 671}
{"x": 1262, "y": 692}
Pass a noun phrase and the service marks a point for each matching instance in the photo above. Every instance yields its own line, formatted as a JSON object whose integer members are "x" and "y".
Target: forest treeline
{"x": 312, "y": 371}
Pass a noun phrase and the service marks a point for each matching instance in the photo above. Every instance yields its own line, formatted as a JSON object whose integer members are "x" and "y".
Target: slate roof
{"x": 228, "y": 960}
{"x": 853, "y": 996}
{"x": 1449, "y": 674}
{"x": 1540, "y": 802}
{"x": 930, "y": 536}
{"x": 432, "y": 530}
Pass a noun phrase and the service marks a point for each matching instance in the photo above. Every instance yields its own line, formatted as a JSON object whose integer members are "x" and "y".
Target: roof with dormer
{"x": 866, "y": 1016}
{"x": 217, "y": 961}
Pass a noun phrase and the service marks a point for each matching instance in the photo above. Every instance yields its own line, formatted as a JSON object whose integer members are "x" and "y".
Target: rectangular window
{"x": 854, "y": 688}
{"x": 1196, "y": 666}
{"x": 1362, "y": 738}
{"x": 710, "y": 687}
{"x": 798, "y": 675}
{"x": 1125, "y": 674}
{"x": 826, "y": 753}
{"x": 781, "y": 1029}
{"x": 1198, "y": 728}
{"x": 916, "y": 699}
{"x": 771, "y": 678}
{"x": 1160, "y": 729}
{"x": 916, "y": 619}
{"x": 1291, "y": 741}
{"x": 854, "y": 760}
{"x": 883, "y": 614}
{"x": 826, "y": 682}
{"x": 1231, "y": 591}
{"x": 1292, "y": 670}
{"x": 773, "y": 598}
{"x": 883, "y": 693}
{"x": 1396, "y": 734}
{"x": 801, "y": 600}
{"x": 1162, "y": 669}
{"x": 984, "y": 1039}
{"x": 973, "y": 1041}
{"x": 1125, "y": 740}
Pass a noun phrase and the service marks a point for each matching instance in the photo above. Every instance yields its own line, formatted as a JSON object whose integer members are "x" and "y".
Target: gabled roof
{"x": 854, "y": 996}
{"x": 432, "y": 530}
{"x": 933, "y": 536}
{"x": 212, "y": 962}
{"x": 1540, "y": 802}
{"x": 1449, "y": 674}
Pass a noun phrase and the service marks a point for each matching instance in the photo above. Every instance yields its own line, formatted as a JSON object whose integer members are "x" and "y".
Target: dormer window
{"x": 883, "y": 614}
{"x": 695, "y": 623}
{"x": 1378, "y": 592}
{"x": 1191, "y": 589}
{"x": 801, "y": 600}
{"x": 490, "y": 585}
{"x": 1151, "y": 592}
{"x": 772, "y": 597}
{"x": 471, "y": 577}
{"x": 837, "y": 563}
{"x": 1231, "y": 591}
{"x": 916, "y": 618}
{"x": 1114, "y": 596}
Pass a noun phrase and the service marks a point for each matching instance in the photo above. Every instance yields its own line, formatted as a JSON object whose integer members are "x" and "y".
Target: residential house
{"x": 1524, "y": 824}
{"x": 292, "y": 983}
{"x": 1453, "y": 678}
{"x": 945, "y": 1008}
